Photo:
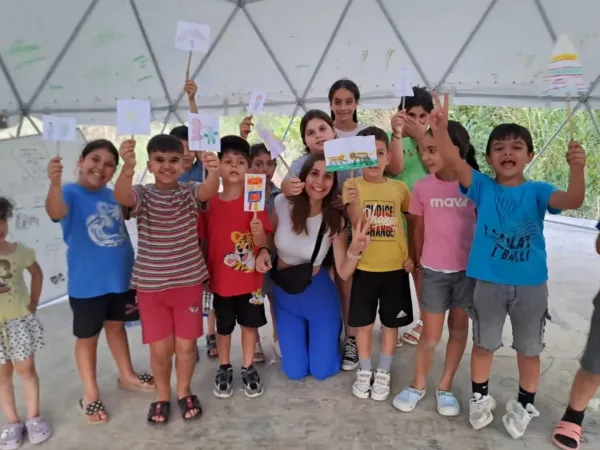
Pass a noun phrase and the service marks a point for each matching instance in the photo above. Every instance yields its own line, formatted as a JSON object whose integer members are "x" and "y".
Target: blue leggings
{"x": 309, "y": 326}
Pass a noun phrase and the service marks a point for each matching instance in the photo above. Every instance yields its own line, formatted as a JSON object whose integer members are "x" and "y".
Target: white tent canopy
{"x": 76, "y": 57}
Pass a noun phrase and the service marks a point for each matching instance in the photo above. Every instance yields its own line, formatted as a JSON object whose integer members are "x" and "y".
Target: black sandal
{"x": 188, "y": 404}
{"x": 211, "y": 344}
{"x": 159, "y": 409}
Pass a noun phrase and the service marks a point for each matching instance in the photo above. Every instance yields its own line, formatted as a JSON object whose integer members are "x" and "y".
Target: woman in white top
{"x": 309, "y": 321}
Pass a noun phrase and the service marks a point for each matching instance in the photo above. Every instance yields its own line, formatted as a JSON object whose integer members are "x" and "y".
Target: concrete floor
{"x": 325, "y": 415}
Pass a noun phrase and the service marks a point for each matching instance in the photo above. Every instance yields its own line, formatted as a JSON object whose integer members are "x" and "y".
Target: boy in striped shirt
{"x": 169, "y": 268}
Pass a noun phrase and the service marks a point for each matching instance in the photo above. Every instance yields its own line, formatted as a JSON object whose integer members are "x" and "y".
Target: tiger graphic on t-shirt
{"x": 242, "y": 258}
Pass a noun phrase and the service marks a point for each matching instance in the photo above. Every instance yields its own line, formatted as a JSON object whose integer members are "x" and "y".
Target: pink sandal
{"x": 569, "y": 430}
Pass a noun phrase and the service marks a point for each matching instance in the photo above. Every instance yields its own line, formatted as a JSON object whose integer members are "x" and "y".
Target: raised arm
{"x": 124, "y": 185}
{"x": 573, "y": 197}
{"x": 210, "y": 187}
{"x": 191, "y": 88}
{"x": 351, "y": 199}
{"x": 438, "y": 122}
{"x": 56, "y": 208}
{"x": 246, "y": 126}
{"x": 347, "y": 257}
{"x": 396, "y": 165}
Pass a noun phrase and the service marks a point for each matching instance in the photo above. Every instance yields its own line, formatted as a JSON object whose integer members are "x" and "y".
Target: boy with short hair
{"x": 169, "y": 268}
{"x": 381, "y": 277}
{"x": 262, "y": 162}
{"x": 408, "y": 129}
{"x": 235, "y": 238}
{"x": 568, "y": 431}
{"x": 508, "y": 259}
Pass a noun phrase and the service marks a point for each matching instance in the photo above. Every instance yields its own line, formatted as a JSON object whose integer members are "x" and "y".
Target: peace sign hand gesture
{"x": 360, "y": 236}
{"x": 438, "y": 119}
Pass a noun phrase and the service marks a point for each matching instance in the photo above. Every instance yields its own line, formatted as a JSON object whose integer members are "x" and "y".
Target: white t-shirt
{"x": 345, "y": 134}
{"x": 294, "y": 249}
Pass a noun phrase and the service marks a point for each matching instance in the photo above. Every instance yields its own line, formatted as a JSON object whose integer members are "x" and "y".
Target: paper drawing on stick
{"x": 133, "y": 117}
{"x": 350, "y": 153}
{"x": 59, "y": 128}
{"x": 203, "y": 132}
{"x": 254, "y": 192}
{"x": 565, "y": 72}
{"x": 192, "y": 37}
{"x": 257, "y": 101}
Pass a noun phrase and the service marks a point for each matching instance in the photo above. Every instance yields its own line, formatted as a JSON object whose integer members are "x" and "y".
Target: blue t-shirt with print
{"x": 509, "y": 246}
{"x": 99, "y": 252}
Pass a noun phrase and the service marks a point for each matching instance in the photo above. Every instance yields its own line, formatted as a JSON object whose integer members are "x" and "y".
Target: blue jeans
{"x": 309, "y": 326}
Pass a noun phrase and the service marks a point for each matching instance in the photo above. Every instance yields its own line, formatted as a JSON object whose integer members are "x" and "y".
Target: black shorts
{"x": 247, "y": 309}
{"x": 89, "y": 314}
{"x": 390, "y": 289}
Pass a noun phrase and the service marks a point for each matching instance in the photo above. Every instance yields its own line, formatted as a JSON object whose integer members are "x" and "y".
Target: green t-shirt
{"x": 414, "y": 169}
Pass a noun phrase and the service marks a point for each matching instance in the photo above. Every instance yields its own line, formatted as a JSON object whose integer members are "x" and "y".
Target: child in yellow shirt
{"x": 381, "y": 278}
{"x": 20, "y": 337}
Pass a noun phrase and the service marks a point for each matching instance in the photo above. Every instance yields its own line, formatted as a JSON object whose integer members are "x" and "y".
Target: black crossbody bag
{"x": 295, "y": 279}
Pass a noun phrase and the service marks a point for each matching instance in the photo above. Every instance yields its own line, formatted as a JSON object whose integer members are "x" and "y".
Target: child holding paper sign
{"x": 381, "y": 277}
{"x": 235, "y": 239}
{"x": 169, "y": 269}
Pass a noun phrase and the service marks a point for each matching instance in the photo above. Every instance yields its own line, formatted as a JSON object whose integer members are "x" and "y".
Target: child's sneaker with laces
{"x": 252, "y": 385}
{"x": 362, "y": 386}
{"x": 480, "y": 410}
{"x": 223, "y": 382}
{"x": 518, "y": 417}
{"x": 350, "y": 355}
{"x": 380, "y": 390}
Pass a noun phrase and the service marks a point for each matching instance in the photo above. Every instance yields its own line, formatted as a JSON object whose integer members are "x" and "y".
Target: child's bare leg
{"x": 7, "y": 393}
{"x": 185, "y": 363}
{"x": 161, "y": 361}
{"x": 458, "y": 326}
{"x": 585, "y": 386}
{"x": 116, "y": 337}
{"x": 224, "y": 347}
{"x": 529, "y": 372}
{"x": 86, "y": 358}
{"x": 481, "y": 364}
{"x": 364, "y": 337}
{"x": 430, "y": 337}
{"x": 31, "y": 386}
{"x": 212, "y": 322}
{"x": 417, "y": 275}
{"x": 248, "y": 344}
{"x": 389, "y": 336}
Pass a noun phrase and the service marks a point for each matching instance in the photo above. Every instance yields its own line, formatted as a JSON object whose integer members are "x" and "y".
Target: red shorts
{"x": 176, "y": 311}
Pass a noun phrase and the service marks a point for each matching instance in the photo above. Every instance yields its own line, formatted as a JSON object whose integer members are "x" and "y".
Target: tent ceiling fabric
{"x": 77, "y": 57}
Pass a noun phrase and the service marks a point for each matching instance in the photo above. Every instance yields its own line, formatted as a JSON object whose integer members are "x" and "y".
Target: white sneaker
{"x": 480, "y": 410}
{"x": 380, "y": 390}
{"x": 362, "y": 386}
{"x": 517, "y": 418}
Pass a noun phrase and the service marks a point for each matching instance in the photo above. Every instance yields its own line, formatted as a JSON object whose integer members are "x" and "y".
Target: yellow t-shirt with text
{"x": 14, "y": 295}
{"x": 384, "y": 203}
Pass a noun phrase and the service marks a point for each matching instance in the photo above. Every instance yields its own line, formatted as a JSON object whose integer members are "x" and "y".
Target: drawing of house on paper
{"x": 350, "y": 153}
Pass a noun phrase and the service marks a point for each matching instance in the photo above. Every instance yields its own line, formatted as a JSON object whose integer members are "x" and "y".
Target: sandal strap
{"x": 145, "y": 378}
{"x": 92, "y": 408}
{"x": 159, "y": 409}
{"x": 190, "y": 403}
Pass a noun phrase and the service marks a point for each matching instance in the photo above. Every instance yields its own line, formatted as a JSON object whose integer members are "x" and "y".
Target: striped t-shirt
{"x": 168, "y": 252}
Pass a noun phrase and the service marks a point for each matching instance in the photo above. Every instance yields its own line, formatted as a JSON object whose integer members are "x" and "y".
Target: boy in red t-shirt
{"x": 235, "y": 237}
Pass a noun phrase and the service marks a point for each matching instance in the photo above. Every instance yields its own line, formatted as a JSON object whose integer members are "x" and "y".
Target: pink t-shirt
{"x": 449, "y": 223}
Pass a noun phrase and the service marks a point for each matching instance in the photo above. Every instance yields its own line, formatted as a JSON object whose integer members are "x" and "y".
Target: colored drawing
{"x": 254, "y": 192}
{"x": 565, "y": 72}
{"x": 274, "y": 145}
{"x": 192, "y": 37}
{"x": 133, "y": 117}
{"x": 257, "y": 101}
{"x": 404, "y": 86}
{"x": 350, "y": 153}
{"x": 203, "y": 133}
{"x": 59, "y": 128}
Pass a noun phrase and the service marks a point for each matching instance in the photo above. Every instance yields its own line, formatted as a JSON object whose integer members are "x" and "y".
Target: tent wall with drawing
{"x": 76, "y": 58}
